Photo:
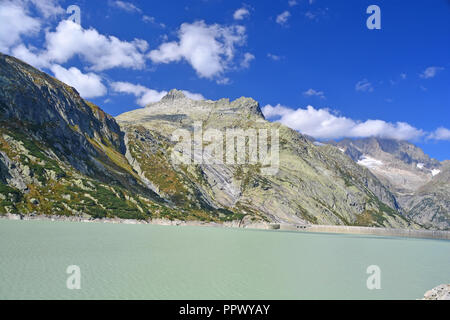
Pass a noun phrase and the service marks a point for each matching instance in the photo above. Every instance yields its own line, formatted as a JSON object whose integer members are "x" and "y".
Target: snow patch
{"x": 369, "y": 162}
{"x": 420, "y": 165}
{"x": 435, "y": 172}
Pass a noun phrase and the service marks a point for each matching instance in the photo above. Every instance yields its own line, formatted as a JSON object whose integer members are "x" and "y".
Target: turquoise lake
{"x": 119, "y": 261}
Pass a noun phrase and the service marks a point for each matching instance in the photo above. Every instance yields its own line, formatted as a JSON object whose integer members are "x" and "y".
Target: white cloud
{"x": 274, "y": 57}
{"x": 15, "y": 22}
{"x": 364, "y": 85}
{"x": 310, "y": 15}
{"x": 145, "y": 95}
{"x": 88, "y": 85}
{"x": 323, "y": 124}
{"x": 440, "y": 134}
{"x": 126, "y": 6}
{"x": 283, "y": 17}
{"x": 149, "y": 19}
{"x": 430, "y": 72}
{"x": 312, "y": 93}
{"x": 193, "y": 96}
{"x": 48, "y": 8}
{"x": 209, "y": 49}
{"x": 240, "y": 14}
{"x": 100, "y": 51}
{"x": 292, "y": 3}
{"x": 30, "y": 55}
{"x": 132, "y": 8}
{"x": 223, "y": 81}
{"x": 248, "y": 57}
{"x": 370, "y": 162}
{"x": 146, "y": 18}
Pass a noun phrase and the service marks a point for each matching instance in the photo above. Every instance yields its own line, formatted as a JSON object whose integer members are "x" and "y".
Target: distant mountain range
{"x": 62, "y": 155}
{"x": 420, "y": 184}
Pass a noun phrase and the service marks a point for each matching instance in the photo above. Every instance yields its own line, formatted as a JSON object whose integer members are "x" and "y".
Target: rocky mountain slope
{"x": 421, "y": 184}
{"x": 430, "y": 204}
{"x": 314, "y": 184}
{"x": 62, "y": 155}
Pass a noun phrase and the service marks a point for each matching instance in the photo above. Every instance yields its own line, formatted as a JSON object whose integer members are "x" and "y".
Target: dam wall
{"x": 429, "y": 234}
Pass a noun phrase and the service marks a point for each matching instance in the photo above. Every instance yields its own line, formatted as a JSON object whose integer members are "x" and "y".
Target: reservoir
{"x": 120, "y": 261}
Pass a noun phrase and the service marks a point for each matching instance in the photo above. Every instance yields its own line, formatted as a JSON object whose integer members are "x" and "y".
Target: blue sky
{"x": 288, "y": 55}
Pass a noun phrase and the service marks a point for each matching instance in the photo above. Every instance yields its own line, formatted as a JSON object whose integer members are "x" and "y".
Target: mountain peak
{"x": 174, "y": 94}
{"x": 250, "y": 105}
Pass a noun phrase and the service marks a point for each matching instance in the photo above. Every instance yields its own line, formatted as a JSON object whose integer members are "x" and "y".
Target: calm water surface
{"x": 157, "y": 262}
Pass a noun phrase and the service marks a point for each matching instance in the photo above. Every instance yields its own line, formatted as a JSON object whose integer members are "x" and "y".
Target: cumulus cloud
{"x": 145, "y": 95}
{"x": 430, "y": 72}
{"x": 209, "y": 49}
{"x": 240, "y": 14}
{"x": 68, "y": 40}
{"x": 324, "y": 124}
{"x": 314, "y": 93}
{"x": 48, "y": 8}
{"x": 31, "y": 56}
{"x": 440, "y": 134}
{"x": 88, "y": 85}
{"x": 100, "y": 51}
{"x": 15, "y": 22}
{"x": 283, "y": 17}
{"x": 364, "y": 86}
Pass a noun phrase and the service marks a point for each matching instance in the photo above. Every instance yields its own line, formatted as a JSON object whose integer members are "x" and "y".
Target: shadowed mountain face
{"x": 61, "y": 155}
{"x": 421, "y": 184}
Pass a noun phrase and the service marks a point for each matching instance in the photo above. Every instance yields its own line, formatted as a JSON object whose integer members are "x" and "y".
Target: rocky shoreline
{"x": 162, "y": 222}
{"x": 441, "y": 292}
{"x": 246, "y": 224}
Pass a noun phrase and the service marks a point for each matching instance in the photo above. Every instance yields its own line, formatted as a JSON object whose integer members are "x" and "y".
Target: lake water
{"x": 120, "y": 261}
